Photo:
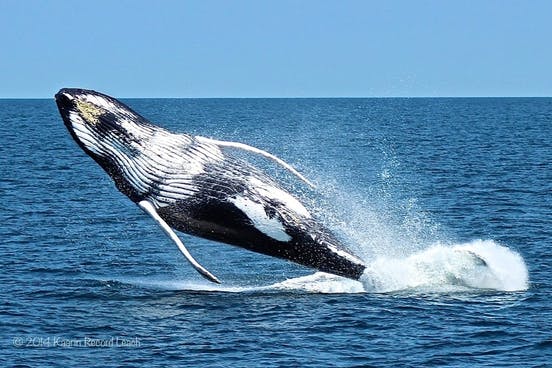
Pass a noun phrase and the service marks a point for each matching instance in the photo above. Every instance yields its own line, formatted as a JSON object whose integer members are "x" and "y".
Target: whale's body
{"x": 193, "y": 185}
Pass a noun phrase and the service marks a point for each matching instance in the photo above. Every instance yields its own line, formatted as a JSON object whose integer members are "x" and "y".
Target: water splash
{"x": 475, "y": 265}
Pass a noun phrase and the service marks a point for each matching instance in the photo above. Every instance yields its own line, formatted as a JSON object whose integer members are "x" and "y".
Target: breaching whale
{"x": 193, "y": 184}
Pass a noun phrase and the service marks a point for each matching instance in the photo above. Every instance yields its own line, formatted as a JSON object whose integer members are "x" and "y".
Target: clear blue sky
{"x": 277, "y": 48}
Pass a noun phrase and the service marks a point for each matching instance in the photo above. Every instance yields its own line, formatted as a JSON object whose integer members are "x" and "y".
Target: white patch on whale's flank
{"x": 269, "y": 191}
{"x": 257, "y": 214}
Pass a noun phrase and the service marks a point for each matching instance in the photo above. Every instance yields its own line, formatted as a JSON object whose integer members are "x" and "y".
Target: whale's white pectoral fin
{"x": 150, "y": 210}
{"x": 248, "y": 148}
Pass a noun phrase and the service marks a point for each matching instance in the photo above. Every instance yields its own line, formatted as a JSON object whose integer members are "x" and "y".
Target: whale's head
{"x": 100, "y": 123}
{"x": 106, "y": 129}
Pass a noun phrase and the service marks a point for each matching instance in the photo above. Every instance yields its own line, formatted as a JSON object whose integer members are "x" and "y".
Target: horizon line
{"x": 290, "y": 97}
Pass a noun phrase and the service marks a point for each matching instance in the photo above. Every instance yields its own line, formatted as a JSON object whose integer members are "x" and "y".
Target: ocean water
{"x": 449, "y": 202}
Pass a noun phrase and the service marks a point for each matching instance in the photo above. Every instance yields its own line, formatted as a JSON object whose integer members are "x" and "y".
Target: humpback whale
{"x": 196, "y": 185}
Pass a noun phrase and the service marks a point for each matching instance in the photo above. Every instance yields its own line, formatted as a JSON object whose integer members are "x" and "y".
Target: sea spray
{"x": 404, "y": 248}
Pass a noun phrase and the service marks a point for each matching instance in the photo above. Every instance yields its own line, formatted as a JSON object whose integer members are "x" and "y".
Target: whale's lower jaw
{"x": 315, "y": 248}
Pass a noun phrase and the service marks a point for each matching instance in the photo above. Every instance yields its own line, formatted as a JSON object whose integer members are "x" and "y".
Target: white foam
{"x": 477, "y": 265}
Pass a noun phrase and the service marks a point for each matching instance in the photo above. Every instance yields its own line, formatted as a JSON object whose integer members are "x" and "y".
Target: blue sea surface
{"x": 448, "y": 201}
